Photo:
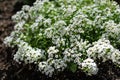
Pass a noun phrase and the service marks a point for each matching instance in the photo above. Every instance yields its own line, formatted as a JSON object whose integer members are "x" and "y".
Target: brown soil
{"x": 10, "y": 70}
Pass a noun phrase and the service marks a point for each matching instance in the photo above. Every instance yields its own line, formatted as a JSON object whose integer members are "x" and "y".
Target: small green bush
{"x": 67, "y": 34}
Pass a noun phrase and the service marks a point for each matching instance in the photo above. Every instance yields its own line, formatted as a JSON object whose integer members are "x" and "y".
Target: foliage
{"x": 67, "y": 34}
{"x": 28, "y": 2}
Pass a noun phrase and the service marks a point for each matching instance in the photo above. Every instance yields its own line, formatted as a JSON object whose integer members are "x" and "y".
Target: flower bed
{"x": 62, "y": 34}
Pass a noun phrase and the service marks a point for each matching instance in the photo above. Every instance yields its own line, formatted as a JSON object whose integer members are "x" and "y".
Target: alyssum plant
{"x": 67, "y": 34}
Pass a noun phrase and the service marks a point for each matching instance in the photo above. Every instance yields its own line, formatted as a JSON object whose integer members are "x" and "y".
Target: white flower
{"x": 89, "y": 66}
{"x": 47, "y": 22}
{"x": 19, "y": 26}
{"x": 27, "y": 53}
{"x": 34, "y": 26}
{"x": 115, "y": 57}
{"x": 112, "y": 28}
{"x": 39, "y": 19}
{"x": 52, "y": 52}
{"x": 44, "y": 67}
{"x": 26, "y": 8}
{"x": 8, "y": 40}
{"x": 101, "y": 49}
{"x": 59, "y": 64}
{"x": 49, "y": 32}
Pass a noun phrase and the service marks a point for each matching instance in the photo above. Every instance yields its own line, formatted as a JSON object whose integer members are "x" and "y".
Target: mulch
{"x": 10, "y": 70}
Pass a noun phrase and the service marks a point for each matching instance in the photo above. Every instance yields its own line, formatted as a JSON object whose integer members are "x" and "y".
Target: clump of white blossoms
{"x": 89, "y": 66}
{"x": 67, "y": 34}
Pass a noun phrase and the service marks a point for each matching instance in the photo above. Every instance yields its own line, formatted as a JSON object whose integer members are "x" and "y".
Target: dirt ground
{"x": 10, "y": 70}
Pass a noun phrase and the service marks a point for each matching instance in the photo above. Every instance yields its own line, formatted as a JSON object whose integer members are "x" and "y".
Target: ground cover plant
{"x": 67, "y": 34}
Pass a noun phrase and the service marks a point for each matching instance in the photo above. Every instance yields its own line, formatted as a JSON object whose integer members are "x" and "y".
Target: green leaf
{"x": 73, "y": 67}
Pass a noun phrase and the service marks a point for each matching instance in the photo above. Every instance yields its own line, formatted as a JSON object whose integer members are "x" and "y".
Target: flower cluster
{"x": 103, "y": 49}
{"x": 89, "y": 66}
{"x": 28, "y": 54}
{"x": 67, "y": 34}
